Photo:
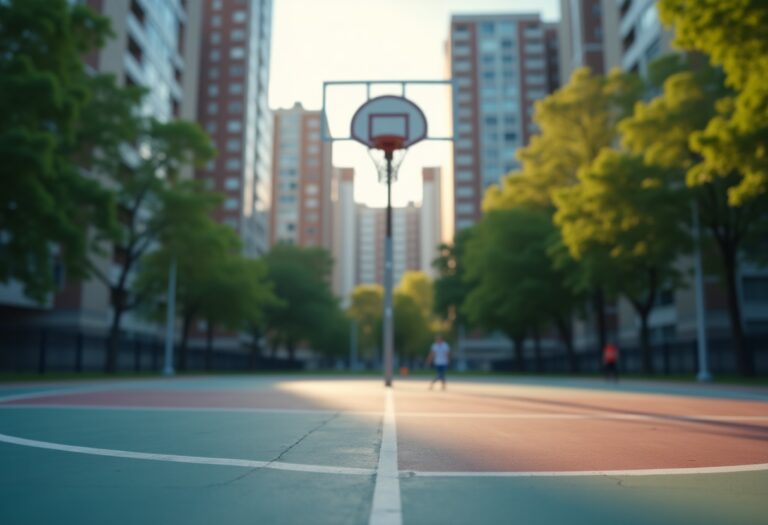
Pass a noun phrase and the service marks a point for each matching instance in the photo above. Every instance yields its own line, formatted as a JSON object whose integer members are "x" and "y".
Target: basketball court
{"x": 288, "y": 449}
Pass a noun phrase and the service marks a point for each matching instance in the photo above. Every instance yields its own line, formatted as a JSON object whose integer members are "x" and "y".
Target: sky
{"x": 321, "y": 40}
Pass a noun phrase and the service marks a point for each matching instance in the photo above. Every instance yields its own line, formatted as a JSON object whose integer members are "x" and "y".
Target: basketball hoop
{"x": 388, "y": 125}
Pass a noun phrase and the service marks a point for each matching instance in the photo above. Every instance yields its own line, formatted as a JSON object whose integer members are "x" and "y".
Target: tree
{"x": 301, "y": 278}
{"x": 45, "y": 200}
{"x": 146, "y": 188}
{"x": 626, "y": 221}
{"x": 418, "y": 286}
{"x": 366, "y": 308}
{"x": 516, "y": 286}
{"x": 732, "y": 33}
{"x": 451, "y": 287}
{"x": 660, "y": 131}
{"x": 412, "y": 333}
{"x": 577, "y": 122}
{"x": 214, "y": 281}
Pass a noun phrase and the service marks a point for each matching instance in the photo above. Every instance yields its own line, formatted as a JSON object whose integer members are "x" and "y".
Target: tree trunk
{"x": 566, "y": 336}
{"x": 183, "y": 350}
{"x": 110, "y": 364}
{"x": 209, "y": 345}
{"x": 744, "y": 357}
{"x": 598, "y": 306}
{"x": 645, "y": 341}
{"x": 291, "y": 346}
{"x": 518, "y": 341}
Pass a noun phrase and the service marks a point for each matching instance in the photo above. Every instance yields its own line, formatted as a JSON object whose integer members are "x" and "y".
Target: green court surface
{"x": 293, "y": 449}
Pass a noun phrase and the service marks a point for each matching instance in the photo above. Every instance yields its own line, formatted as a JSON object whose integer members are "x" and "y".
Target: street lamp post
{"x": 701, "y": 311}
{"x": 170, "y": 320}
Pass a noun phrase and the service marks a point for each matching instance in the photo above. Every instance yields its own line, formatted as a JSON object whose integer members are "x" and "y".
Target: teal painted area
{"x": 732, "y": 499}
{"x": 44, "y": 487}
{"x": 321, "y": 439}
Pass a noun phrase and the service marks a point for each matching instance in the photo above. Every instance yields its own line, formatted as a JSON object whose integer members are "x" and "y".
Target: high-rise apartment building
{"x": 588, "y": 36}
{"x": 500, "y": 64}
{"x": 431, "y": 218}
{"x": 641, "y": 35}
{"x": 302, "y": 177}
{"x": 233, "y": 86}
{"x": 344, "y": 233}
{"x": 406, "y": 242}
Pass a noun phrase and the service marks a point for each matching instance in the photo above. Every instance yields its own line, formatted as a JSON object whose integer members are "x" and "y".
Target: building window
{"x": 234, "y": 126}
{"x": 213, "y": 108}
{"x": 236, "y": 71}
{"x": 465, "y": 208}
{"x": 239, "y": 17}
{"x": 216, "y": 20}
{"x": 213, "y": 90}
{"x": 231, "y": 203}
{"x": 487, "y": 28}
{"x": 234, "y": 145}
{"x": 235, "y": 107}
{"x": 464, "y": 175}
{"x": 215, "y": 37}
{"x": 233, "y": 164}
{"x": 237, "y": 35}
{"x": 465, "y": 191}
{"x": 237, "y": 53}
{"x": 232, "y": 183}
{"x": 215, "y": 55}
{"x": 211, "y": 127}
{"x": 311, "y": 203}
{"x": 464, "y": 160}
{"x": 213, "y": 72}
{"x": 235, "y": 89}
{"x": 312, "y": 189}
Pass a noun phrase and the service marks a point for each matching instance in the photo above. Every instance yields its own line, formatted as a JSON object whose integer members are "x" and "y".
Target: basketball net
{"x": 379, "y": 157}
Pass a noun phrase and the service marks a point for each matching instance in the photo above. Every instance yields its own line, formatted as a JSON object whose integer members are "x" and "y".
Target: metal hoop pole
{"x": 388, "y": 309}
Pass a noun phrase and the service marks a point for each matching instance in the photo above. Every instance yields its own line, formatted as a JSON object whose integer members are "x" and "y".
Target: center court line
{"x": 386, "y": 508}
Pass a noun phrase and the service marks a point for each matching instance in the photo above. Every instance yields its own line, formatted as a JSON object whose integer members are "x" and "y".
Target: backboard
{"x": 388, "y": 123}
{"x": 343, "y": 98}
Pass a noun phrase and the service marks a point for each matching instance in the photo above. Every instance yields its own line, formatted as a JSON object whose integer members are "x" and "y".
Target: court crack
{"x": 280, "y": 456}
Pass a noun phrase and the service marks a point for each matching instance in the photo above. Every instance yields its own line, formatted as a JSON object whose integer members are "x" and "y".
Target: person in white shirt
{"x": 440, "y": 356}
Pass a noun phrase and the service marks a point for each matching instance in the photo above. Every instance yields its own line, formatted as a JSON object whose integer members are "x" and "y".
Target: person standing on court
{"x": 440, "y": 356}
{"x": 610, "y": 360}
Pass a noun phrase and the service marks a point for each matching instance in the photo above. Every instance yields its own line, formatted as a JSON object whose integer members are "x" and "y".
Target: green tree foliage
{"x": 733, "y": 34}
{"x": 516, "y": 286}
{"x": 146, "y": 186}
{"x": 366, "y": 308}
{"x": 451, "y": 287}
{"x": 301, "y": 278}
{"x": 660, "y": 131}
{"x": 419, "y": 287}
{"x": 44, "y": 94}
{"x": 412, "y": 332}
{"x": 214, "y": 282}
{"x": 625, "y": 221}
{"x": 577, "y": 122}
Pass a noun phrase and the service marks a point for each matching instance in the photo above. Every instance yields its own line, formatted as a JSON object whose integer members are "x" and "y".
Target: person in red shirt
{"x": 610, "y": 360}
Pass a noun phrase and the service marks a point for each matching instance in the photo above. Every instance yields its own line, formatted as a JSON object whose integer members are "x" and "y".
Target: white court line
{"x": 573, "y": 473}
{"x": 386, "y": 509}
{"x": 198, "y": 460}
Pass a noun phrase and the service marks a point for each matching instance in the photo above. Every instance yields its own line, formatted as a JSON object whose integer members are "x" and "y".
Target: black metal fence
{"x": 49, "y": 350}
{"x": 678, "y": 358}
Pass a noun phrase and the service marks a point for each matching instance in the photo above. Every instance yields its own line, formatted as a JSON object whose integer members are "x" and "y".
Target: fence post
{"x": 79, "y": 352}
{"x": 136, "y": 356}
{"x": 42, "y": 352}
